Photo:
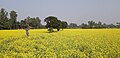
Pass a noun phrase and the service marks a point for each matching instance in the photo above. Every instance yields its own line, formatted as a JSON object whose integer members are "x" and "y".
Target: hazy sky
{"x": 75, "y": 11}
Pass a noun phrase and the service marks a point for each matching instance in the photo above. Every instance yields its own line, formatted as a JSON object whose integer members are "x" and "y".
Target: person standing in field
{"x": 27, "y": 29}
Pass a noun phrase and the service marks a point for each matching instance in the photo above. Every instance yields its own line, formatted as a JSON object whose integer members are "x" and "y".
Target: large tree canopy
{"x": 53, "y": 22}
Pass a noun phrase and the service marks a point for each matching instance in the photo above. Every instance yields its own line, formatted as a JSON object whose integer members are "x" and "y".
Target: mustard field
{"x": 69, "y": 43}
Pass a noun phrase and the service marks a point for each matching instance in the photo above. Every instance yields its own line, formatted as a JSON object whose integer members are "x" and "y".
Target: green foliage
{"x": 98, "y": 25}
{"x": 53, "y": 22}
{"x": 73, "y": 25}
{"x": 12, "y": 23}
{"x": 4, "y": 24}
{"x": 13, "y": 20}
{"x": 64, "y": 24}
{"x": 34, "y": 22}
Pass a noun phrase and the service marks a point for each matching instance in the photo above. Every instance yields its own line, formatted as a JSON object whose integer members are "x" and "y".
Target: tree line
{"x": 94, "y": 25}
{"x": 9, "y": 21}
{"x": 12, "y": 23}
{"x": 33, "y": 23}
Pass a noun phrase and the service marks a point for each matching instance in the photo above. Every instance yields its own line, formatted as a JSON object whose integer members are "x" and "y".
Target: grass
{"x": 69, "y": 43}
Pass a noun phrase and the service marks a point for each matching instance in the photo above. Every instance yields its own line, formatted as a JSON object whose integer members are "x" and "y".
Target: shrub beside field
{"x": 70, "y": 43}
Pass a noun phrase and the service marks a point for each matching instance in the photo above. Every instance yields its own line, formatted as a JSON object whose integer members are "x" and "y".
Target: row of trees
{"x": 12, "y": 23}
{"x": 31, "y": 22}
{"x": 5, "y": 22}
{"x": 94, "y": 25}
{"x": 9, "y": 21}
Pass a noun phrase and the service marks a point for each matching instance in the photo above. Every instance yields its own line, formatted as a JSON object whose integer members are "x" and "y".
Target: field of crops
{"x": 69, "y": 43}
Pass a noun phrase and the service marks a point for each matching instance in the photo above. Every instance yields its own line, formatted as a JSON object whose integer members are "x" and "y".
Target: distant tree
{"x": 99, "y": 24}
{"x": 4, "y": 24}
{"x": 18, "y": 25}
{"x": 13, "y": 19}
{"x": 73, "y": 25}
{"x": 22, "y": 24}
{"x": 31, "y": 22}
{"x": 83, "y": 25}
{"x": 105, "y": 25}
{"x": 111, "y": 26}
{"x": 91, "y": 24}
{"x": 27, "y": 20}
{"x": 118, "y": 25}
{"x": 38, "y": 22}
{"x": 34, "y": 22}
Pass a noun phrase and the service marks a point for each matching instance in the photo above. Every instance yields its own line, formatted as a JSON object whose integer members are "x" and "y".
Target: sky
{"x": 72, "y": 11}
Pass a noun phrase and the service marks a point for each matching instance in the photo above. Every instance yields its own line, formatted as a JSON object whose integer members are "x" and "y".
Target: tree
{"x": 83, "y": 25}
{"x": 38, "y": 22}
{"x": 34, "y": 22}
{"x": 52, "y": 22}
{"x": 73, "y": 25}
{"x": 118, "y": 25}
{"x": 111, "y": 26}
{"x": 30, "y": 22}
{"x": 18, "y": 25}
{"x": 4, "y": 24}
{"x": 91, "y": 24}
{"x": 98, "y": 25}
{"x": 105, "y": 25}
{"x": 64, "y": 24}
{"x": 13, "y": 19}
{"x": 22, "y": 24}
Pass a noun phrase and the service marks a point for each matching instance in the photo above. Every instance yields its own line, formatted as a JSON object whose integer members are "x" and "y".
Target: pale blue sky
{"x": 75, "y": 11}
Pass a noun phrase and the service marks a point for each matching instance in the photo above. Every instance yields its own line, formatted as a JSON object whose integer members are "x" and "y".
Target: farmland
{"x": 69, "y": 43}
